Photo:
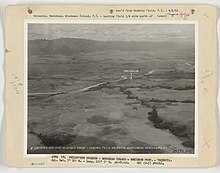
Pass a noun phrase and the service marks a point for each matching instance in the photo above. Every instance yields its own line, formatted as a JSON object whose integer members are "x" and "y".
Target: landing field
{"x": 81, "y": 100}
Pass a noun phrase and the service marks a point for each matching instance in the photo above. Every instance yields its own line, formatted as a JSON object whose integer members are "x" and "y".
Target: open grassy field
{"x": 112, "y": 117}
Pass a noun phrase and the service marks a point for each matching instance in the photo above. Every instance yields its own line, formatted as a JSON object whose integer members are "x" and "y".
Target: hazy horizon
{"x": 114, "y": 32}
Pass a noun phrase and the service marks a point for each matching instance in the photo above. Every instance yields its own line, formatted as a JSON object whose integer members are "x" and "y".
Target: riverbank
{"x": 176, "y": 128}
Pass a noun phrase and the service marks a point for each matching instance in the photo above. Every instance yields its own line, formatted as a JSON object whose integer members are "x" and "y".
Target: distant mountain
{"x": 70, "y": 46}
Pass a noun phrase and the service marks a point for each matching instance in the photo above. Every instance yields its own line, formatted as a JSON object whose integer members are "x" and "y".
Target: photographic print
{"x": 111, "y": 88}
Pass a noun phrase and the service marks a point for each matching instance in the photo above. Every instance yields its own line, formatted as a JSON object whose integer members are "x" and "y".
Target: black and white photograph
{"x": 111, "y": 88}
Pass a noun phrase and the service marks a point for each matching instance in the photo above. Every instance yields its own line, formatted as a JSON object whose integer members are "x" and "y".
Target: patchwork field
{"x": 81, "y": 100}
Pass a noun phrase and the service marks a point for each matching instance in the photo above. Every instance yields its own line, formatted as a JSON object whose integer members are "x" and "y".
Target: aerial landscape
{"x": 111, "y": 89}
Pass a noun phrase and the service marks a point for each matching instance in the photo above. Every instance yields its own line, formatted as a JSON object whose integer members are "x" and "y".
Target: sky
{"x": 113, "y": 32}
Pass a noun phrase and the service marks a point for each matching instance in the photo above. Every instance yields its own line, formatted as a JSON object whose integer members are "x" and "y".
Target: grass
{"x": 101, "y": 116}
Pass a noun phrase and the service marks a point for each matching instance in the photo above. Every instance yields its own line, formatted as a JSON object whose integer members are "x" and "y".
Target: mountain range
{"x": 71, "y": 46}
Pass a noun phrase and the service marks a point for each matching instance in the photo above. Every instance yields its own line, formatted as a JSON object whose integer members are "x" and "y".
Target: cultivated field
{"x": 81, "y": 100}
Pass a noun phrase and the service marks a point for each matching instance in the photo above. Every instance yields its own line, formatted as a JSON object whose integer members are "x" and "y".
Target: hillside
{"x": 70, "y": 46}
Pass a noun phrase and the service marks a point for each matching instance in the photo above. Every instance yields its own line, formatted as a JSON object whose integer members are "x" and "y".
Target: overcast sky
{"x": 113, "y": 32}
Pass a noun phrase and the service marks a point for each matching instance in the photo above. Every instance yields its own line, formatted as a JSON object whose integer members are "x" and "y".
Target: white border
{"x": 195, "y": 22}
